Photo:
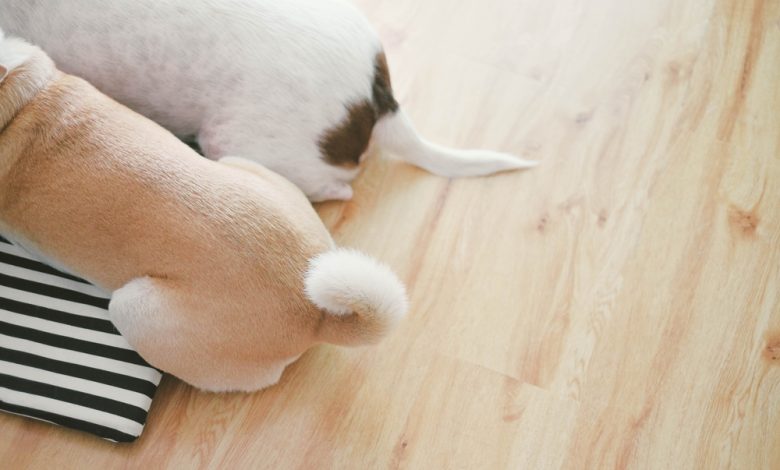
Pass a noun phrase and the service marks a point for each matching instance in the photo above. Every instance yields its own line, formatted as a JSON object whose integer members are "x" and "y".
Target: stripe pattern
{"x": 61, "y": 359}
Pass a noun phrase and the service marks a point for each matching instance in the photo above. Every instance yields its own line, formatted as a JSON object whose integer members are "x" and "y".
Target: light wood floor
{"x": 617, "y": 307}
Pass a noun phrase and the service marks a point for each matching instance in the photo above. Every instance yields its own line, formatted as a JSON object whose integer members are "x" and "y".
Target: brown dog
{"x": 222, "y": 272}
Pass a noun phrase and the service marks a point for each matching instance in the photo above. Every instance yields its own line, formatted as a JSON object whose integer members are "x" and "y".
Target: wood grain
{"x": 617, "y": 307}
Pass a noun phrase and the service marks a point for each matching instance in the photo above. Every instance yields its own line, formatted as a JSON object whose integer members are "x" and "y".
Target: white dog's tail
{"x": 361, "y": 299}
{"x": 395, "y": 132}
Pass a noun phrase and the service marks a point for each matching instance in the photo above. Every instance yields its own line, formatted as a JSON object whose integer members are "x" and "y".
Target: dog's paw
{"x": 331, "y": 192}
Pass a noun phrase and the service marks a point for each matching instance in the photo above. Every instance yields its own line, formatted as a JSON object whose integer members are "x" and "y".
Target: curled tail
{"x": 361, "y": 299}
{"x": 394, "y": 132}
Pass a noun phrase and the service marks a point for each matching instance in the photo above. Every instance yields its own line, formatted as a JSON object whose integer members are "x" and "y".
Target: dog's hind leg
{"x": 158, "y": 321}
{"x": 146, "y": 313}
{"x": 162, "y": 323}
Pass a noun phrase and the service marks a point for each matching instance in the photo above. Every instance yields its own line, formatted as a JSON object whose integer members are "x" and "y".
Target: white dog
{"x": 299, "y": 86}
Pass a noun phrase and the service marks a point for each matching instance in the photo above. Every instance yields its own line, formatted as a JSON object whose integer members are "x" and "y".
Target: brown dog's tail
{"x": 361, "y": 299}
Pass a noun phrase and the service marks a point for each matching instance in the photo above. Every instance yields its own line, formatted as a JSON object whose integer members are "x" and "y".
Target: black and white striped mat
{"x": 61, "y": 359}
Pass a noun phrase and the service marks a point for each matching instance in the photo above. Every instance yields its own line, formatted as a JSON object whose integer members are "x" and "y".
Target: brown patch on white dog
{"x": 384, "y": 101}
{"x": 344, "y": 144}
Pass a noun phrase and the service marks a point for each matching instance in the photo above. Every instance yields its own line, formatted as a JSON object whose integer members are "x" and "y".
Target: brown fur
{"x": 384, "y": 101}
{"x": 344, "y": 144}
{"x": 114, "y": 197}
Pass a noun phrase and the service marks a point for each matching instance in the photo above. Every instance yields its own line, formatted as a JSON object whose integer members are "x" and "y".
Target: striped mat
{"x": 61, "y": 359}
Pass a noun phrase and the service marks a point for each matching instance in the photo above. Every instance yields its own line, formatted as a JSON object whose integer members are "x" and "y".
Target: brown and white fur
{"x": 300, "y": 86}
{"x": 222, "y": 273}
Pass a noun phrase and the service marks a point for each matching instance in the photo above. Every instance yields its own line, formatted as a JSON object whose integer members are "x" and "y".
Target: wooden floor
{"x": 617, "y": 307}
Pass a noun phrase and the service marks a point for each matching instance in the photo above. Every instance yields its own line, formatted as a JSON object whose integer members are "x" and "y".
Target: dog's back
{"x": 300, "y": 86}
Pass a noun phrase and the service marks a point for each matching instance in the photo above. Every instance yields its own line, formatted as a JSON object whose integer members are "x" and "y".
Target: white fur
{"x": 13, "y": 54}
{"x": 263, "y": 79}
{"x": 344, "y": 281}
{"x": 396, "y": 133}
